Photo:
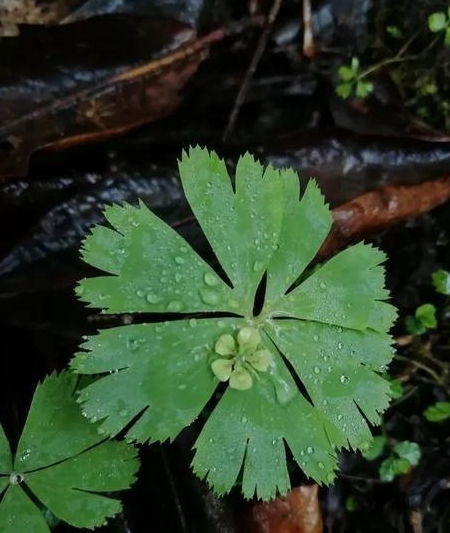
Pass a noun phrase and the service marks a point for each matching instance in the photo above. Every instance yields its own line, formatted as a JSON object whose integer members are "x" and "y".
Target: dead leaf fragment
{"x": 102, "y": 78}
{"x": 298, "y": 512}
{"x": 377, "y": 210}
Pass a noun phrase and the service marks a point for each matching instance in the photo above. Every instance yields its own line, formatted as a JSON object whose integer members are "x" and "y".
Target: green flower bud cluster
{"x": 241, "y": 358}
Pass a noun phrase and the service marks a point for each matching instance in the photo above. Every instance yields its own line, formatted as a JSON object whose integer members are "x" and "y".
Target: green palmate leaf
{"x": 438, "y": 412}
{"x": 60, "y": 458}
{"x": 327, "y": 334}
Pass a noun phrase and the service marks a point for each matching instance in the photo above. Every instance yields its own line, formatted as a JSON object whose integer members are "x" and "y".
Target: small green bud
{"x": 241, "y": 379}
{"x": 260, "y": 360}
{"x": 248, "y": 339}
{"x": 222, "y": 369}
{"x": 225, "y": 345}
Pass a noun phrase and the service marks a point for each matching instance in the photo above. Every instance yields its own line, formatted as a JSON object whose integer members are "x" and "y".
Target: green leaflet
{"x": 376, "y": 448}
{"x": 172, "y": 389}
{"x": 157, "y": 378}
{"x": 61, "y": 459}
{"x": 347, "y": 291}
{"x": 404, "y": 455}
{"x": 437, "y": 412}
{"x": 249, "y": 428}
{"x": 243, "y": 227}
{"x": 336, "y": 366}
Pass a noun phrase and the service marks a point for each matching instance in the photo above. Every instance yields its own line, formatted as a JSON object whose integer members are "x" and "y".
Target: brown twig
{"x": 260, "y": 47}
{"x": 308, "y": 36}
{"x": 377, "y": 210}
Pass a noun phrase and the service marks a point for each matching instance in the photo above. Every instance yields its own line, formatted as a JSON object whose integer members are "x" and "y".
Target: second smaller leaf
{"x": 62, "y": 460}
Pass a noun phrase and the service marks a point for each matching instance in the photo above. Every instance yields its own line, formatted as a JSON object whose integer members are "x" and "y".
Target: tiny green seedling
{"x": 326, "y": 333}
{"x": 441, "y": 281}
{"x": 353, "y": 81}
{"x": 63, "y": 462}
{"x": 376, "y": 448}
{"x": 394, "y": 31}
{"x": 440, "y": 22}
{"x": 402, "y": 457}
{"x": 397, "y": 389}
{"x": 438, "y": 412}
{"x": 423, "y": 320}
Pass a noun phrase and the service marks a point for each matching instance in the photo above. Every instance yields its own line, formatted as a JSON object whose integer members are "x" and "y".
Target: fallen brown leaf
{"x": 378, "y": 210}
{"x": 298, "y": 512}
{"x": 98, "y": 79}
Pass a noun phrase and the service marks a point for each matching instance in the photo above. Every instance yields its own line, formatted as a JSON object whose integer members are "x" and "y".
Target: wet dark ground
{"x": 290, "y": 118}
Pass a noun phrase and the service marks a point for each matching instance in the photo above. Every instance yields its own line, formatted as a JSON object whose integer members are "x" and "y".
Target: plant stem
{"x": 397, "y": 58}
{"x": 423, "y": 367}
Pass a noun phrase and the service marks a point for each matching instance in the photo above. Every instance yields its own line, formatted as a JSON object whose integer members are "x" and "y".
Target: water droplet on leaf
{"x": 284, "y": 391}
{"x": 152, "y": 298}
{"x": 210, "y": 279}
{"x": 16, "y": 478}
{"x": 174, "y": 306}
{"x": 257, "y": 266}
{"x": 209, "y": 296}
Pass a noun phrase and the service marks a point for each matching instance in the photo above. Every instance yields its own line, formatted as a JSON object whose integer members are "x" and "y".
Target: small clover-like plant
{"x": 64, "y": 462}
{"x": 437, "y": 412}
{"x": 423, "y": 320}
{"x": 402, "y": 456}
{"x": 353, "y": 81}
{"x": 439, "y": 21}
{"x": 321, "y": 330}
